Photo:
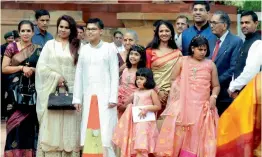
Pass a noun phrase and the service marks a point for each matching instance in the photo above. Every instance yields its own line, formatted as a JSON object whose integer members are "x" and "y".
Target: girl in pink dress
{"x": 189, "y": 127}
{"x": 136, "y": 59}
{"x": 139, "y": 139}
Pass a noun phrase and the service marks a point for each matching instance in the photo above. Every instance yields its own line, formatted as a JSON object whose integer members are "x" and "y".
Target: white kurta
{"x": 97, "y": 74}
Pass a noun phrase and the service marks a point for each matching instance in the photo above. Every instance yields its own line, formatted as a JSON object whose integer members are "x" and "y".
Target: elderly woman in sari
{"x": 162, "y": 55}
{"x": 59, "y": 133}
{"x": 130, "y": 39}
{"x": 19, "y": 62}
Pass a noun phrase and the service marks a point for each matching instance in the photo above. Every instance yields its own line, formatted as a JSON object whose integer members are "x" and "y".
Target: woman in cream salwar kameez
{"x": 59, "y": 134}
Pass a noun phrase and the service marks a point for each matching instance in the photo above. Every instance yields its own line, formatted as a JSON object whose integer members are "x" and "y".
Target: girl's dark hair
{"x": 142, "y": 51}
{"x": 197, "y": 41}
{"x": 148, "y": 74}
{"x": 74, "y": 42}
{"x": 25, "y": 22}
{"x": 154, "y": 44}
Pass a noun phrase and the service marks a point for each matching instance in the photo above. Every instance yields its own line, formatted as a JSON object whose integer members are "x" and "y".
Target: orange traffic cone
{"x": 93, "y": 143}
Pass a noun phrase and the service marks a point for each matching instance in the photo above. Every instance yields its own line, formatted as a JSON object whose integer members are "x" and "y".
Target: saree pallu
{"x": 239, "y": 131}
{"x": 162, "y": 67}
{"x": 22, "y": 126}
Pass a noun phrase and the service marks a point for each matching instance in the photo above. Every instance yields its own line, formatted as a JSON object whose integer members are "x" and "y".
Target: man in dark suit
{"x": 225, "y": 54}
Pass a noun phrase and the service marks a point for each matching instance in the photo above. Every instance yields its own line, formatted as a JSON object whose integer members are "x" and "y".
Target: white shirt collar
{"x": 177, "y": 35}
{"x": 223, "y": 37}
{"x": 98, "y": 45}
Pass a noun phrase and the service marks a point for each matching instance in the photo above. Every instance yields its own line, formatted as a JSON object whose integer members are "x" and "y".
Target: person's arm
{"x": 229, "y": 72}
{"x": 215, "y": 86}
{"x": 253, "y": 65}
{"x": 122, "y": 67}
{"x": 151, "y": 108}
{"x": 8, "y": 69}
{"x": 156, "y": 103}
{"x": 148, "y": 57}
{"x": 114, "y": 78}
{"x": 78, "y": 84}
{"x": 129, "y": 100}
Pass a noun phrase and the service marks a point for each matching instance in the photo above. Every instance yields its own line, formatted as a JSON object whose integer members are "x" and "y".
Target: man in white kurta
{"x": 97, "y": 74}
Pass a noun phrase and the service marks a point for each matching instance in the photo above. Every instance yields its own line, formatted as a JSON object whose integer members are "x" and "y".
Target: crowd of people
{"x": 190, "y": 80}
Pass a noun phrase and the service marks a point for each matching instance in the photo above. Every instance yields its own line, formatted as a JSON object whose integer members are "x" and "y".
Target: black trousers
{"x": 222, "y": 106}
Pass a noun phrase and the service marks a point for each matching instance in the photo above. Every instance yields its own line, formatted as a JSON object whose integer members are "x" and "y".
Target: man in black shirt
{"x": 249, "y": 22}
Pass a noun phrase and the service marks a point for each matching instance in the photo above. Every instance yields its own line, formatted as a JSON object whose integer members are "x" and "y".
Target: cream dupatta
{"x": 46, "y": 79}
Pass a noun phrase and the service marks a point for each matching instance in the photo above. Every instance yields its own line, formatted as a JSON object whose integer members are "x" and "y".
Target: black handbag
{"x": 24, "y": 94}
{"x": 61, "y": 101}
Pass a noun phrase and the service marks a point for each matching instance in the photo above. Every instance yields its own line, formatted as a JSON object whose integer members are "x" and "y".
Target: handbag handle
{"x": 21, "y": 80}
{"x": 66, "y": 88}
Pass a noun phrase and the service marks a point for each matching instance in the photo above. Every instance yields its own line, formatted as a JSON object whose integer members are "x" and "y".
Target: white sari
{"x": 59, "y": 130}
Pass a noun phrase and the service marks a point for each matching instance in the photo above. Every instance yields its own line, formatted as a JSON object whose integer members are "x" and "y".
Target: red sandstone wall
{"x": 107, "y": 12}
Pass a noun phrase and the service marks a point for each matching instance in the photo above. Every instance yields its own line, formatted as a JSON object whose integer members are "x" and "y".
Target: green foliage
{"x": 252, "y": 5}
{"x": 245, "y": 5}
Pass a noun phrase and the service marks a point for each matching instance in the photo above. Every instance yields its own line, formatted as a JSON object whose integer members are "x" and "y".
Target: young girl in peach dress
{"x": 189, "y": 127}
{"x": 136, "y": 59}
{"x": 139, "y": 139}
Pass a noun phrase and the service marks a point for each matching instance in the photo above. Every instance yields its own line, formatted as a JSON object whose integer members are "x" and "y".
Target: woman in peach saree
{"x": 162, "y": 55}
{"x": 189, "y": 127}
{"x": 239, "y": 131}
